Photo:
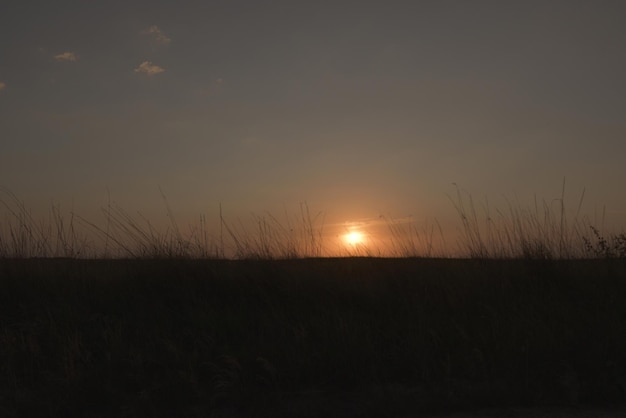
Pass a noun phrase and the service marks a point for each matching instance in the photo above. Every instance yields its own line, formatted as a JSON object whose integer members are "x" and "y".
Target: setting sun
{"x": 354, "y": 238}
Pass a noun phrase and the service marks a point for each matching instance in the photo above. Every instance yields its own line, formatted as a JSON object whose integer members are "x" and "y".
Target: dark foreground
{"x": 356, "y": 337}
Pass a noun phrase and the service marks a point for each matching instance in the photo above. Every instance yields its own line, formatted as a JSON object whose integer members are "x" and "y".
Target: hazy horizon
{"x": 360, "y": 109}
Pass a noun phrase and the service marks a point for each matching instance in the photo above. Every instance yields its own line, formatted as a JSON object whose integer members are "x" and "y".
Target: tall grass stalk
{"x": 134, "y": 236}
{"x": 22, "y": 236}
{"x": 542, "y": 231}
{"x": 408, "y": 239}
{"x": 292, "y": 238}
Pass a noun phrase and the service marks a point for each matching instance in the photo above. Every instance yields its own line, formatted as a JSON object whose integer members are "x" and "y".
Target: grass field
{"x": 534, "y": 315}
{"x": 184, "y": 337}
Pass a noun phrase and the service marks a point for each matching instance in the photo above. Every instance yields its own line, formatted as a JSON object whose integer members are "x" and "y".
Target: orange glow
{"x": 354, "y": 238}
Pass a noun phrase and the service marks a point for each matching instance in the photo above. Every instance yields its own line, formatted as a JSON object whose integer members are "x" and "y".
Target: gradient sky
{"x": 359, "y": 108}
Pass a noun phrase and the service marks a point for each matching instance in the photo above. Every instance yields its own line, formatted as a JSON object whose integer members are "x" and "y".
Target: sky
{"x": 358, "y": 108}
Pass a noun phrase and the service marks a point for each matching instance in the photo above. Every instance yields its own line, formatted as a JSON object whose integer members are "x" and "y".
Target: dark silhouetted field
{"x": 308, "y": 337}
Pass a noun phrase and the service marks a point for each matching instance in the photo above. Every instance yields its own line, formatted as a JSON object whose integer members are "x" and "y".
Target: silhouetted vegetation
{"x": 154, "y": 337}
{"x": 176, "y": 330}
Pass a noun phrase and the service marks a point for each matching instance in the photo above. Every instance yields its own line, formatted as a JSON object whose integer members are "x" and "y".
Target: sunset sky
{"x": 359, "y": 108}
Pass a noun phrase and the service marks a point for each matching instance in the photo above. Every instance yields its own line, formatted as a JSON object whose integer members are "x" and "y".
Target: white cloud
{"x": 157, "y": 35}
{"x": 66, "y": 56}
{"x": 148, "y": 68}
{"x": 3, "y": 85}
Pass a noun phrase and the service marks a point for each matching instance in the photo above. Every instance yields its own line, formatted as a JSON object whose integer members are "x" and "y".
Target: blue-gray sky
{"x": 359, "y": 108}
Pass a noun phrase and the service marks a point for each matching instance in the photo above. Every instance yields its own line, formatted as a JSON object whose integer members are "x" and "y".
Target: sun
{"x": 354, "y": 238}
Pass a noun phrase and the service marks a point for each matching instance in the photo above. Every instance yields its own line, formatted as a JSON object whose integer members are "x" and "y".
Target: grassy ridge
{"x": 542, "y": 231}
{"x": 193, "y": 338}
{"x": 147, "y": 323}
